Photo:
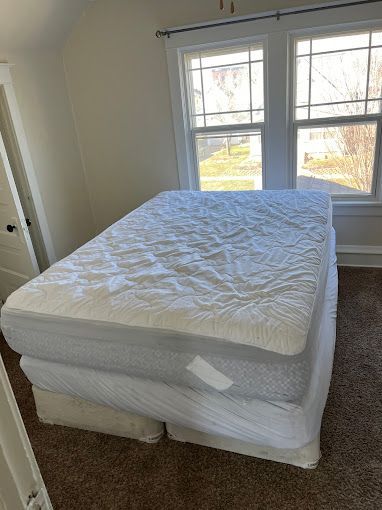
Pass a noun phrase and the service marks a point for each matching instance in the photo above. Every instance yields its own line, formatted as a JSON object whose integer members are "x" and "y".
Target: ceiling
{"x": 36, "y": 24}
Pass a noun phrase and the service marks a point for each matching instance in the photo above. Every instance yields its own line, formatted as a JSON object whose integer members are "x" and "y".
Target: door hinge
{"x": 37, "y": 500}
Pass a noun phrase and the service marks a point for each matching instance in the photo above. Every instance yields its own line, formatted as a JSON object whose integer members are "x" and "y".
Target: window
{"x": 225, "y": 88}
{"x": 295, "y": 103}
{"x": 337, "y": 111}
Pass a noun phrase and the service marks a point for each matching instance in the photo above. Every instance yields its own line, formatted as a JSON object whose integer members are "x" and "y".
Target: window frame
{"x": 346, "y": 28}
{"x": 191, "y": 132}
{"x": 247, "y": 129}
{"x": 279, "y": 168}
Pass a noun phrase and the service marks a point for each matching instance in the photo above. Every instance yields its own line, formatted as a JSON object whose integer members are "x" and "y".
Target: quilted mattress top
{"x": 239, "y": 267}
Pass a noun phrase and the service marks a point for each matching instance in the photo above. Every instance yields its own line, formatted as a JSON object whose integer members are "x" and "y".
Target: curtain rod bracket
{"x": 162, "y": 33}
{"x": 278, "y": 15}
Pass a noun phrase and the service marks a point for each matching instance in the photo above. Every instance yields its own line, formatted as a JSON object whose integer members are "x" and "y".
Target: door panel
{"x": 16, "y": 161}
{"x": 17, "y": 258}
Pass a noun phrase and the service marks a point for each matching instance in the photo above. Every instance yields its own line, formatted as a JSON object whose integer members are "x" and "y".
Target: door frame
{"x": 20, "y": 478}
{"x": 16, "y": 164}
{"x": 30, "y": 177}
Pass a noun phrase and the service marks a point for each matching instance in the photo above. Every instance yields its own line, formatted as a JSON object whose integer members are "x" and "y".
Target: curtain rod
{"x": 275, "y": 14}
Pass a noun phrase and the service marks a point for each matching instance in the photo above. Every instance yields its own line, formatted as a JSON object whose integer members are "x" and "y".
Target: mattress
{"x": 271, "y": 423}
{"x": 212, "y": 290}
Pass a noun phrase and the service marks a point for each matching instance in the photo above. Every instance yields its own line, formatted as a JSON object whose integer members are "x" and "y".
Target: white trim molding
{"x": 359, "y": 255}
{"x": 21, "y": 484}
{"x": 278, "y": 36}
{"x": 10, "y": 96}
{"x": 361, "y": 208}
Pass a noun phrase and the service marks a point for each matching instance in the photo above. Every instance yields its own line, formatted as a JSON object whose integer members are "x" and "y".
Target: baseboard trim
{"x": 359, "y": 255}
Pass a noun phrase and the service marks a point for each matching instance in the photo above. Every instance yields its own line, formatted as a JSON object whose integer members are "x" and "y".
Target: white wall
{"x": 41, "y": 92}
{"x": 118, "y": 84}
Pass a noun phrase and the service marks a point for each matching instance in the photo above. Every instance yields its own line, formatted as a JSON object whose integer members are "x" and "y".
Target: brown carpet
{"x": 86, "y": 470}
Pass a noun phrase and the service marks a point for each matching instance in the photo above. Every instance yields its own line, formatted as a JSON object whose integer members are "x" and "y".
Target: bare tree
{"x": 355, "y": 155}
{"x": 228, "y": 81}
{"x": 354, "y": 145}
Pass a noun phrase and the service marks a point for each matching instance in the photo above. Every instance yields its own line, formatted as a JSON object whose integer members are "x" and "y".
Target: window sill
{"x": 357, "y": 207}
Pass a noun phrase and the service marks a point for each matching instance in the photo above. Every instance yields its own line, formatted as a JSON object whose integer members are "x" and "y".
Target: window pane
{"x": 338, "y": 159}
{"x": 339, "y": 76}
{"x": 340, "y": 42}
{"x": 230, "y": 162}
{"x": 197, "y": 97}
{"x": 374, "y": 107}
{"x": 375, "y": 79}
{"x": 337, "y": 110}
{"x": 302, "y": 81}
{"x": 224, "y": 119}
{"x": 302, "y": 113}
{"x": 376, "y": 38}
{"x": 257, "y": 52}
{"x": 339, "y": 80}
{"x": 226, "y": 89}
{"x": 257, "y": 81}
{"x": 303, "y": 47}
{"x": 193, "y": 61}
{"x": 224, "y": 56}
{"x": 258, "y": 116}
{"x": 226, "y": 85}
{"x": 198, "y": 121}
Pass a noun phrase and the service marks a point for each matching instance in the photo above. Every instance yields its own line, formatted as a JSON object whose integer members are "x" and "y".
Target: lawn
{"x": 229, "y": 185}
{"x": 218, "y": 171}
{"x": 328, "y": 169}
{"x": 237, "y": 171}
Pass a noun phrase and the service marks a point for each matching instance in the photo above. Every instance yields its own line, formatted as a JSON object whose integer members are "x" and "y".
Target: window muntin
{"x": 225, "y": 87}
{"x": 338, "y": 83}
{"x": 338, "y": 75}
{"x": 360, "y": 106}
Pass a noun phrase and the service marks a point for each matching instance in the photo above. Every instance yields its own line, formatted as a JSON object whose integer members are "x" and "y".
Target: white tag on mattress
{"x": 209, "y": 374}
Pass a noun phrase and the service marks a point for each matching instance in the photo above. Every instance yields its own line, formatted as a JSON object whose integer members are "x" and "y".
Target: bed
{"x": 211, "y": 312}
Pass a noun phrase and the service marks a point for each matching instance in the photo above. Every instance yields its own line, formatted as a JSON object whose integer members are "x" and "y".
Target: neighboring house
{"x": 318, "y": 144}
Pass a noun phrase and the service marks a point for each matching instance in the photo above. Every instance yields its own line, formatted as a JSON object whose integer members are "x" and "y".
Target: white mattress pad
{"x": 203, "y": 271}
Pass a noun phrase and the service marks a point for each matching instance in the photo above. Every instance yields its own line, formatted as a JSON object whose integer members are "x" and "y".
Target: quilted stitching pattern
{"x": 241, "y": 267}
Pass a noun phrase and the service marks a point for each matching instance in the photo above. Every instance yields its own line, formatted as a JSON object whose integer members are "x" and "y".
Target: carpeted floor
{"x": 90, "y": 471}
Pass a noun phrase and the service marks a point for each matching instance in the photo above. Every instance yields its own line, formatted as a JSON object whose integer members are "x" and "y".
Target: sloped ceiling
{"x": 35, "y": 24}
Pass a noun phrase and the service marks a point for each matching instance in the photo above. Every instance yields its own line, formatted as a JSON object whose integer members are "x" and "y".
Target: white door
{"x": 21, "y": 484}
{"x": 18, "y": 262}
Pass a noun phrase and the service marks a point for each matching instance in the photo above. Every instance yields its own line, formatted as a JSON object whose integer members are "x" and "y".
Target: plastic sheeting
{"x": 271, "y": 423}
{"x": 306, "y": 456}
